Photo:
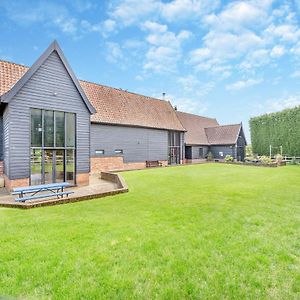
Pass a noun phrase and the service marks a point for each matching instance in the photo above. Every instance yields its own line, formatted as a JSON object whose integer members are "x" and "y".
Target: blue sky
{"x": 225, "y": 59}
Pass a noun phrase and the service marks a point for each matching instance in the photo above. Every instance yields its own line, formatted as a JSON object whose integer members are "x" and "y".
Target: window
{"x": 221, "y": 154}
{"x": 119, "y": 151}
{"x": 99, "y": 152}
{"x": 174, "y": 147}
{"x": 70, "y": 130}
{"x": 49, "y": 128}
{"x": 53, "y": 146}
{"x": 59, "y": 129}
{"x": 36, "y": 128}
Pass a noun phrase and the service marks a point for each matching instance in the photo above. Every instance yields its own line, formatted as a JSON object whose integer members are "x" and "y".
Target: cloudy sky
{"x": 225, "y": 59}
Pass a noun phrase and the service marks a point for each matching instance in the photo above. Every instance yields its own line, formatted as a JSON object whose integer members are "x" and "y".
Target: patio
{"x": 103, "y": 185}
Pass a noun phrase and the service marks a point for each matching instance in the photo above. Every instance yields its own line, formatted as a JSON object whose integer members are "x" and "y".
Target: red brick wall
{"x": 1, "y": 167}
{"x": 11, "y": 184}
{"x": 83, "y": 179}
{"x": 104, "y": 164}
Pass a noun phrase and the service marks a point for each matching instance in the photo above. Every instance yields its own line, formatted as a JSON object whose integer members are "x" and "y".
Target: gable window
{"x": 119, "y": 151}
{"x": 53, "y": 147}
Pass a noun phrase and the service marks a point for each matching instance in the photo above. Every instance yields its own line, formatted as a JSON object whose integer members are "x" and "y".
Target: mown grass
{"x": 209, "y": 231}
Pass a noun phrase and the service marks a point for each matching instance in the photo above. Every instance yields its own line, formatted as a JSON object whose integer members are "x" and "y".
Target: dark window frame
{"x": 54, "y": 148}
{"x": 119, "y": 151}
{"x": 100, "y": 152}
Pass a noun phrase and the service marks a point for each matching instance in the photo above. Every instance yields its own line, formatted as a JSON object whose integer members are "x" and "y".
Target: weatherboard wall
{"x": 138, "y": 144}
{"x": 50, "y": 87}
{"x": 225, "y": 149}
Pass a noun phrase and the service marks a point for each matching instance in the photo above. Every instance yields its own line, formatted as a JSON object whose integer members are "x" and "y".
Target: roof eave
{"x": 135, "y": 125}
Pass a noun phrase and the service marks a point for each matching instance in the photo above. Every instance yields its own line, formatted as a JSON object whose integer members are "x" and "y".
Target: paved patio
{"x": 103, "y": 185}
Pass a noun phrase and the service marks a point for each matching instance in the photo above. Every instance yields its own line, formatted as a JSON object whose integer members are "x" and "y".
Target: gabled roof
{"x": 223, "y": 135}
{"x": 115, "y": 106}
{"x": 9, "y": 74}
{"x": 195, "y": 126}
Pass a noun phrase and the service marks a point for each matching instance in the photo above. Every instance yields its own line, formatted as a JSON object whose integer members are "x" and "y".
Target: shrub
{"x": 249, "y": 152}
{"x": 228, "y": 158}
{"x": 279, "y": 158}
{"x": 266, "y": 160}
{"x": 210, "y": 156}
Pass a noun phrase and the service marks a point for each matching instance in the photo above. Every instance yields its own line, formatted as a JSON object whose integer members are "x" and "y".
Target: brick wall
{"x": 104, "y": 164}
{"x": 82, "y": 179}
{"x": 11, "y": 184}
{"x": 1, "y": 167}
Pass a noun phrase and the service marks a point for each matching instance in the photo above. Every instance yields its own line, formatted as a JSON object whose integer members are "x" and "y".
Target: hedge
{"x": 276, "y": 129}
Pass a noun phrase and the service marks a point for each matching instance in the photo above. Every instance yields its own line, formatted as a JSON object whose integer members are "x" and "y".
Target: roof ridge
{"x": 187, "y": 113}
{"x": 223, "y": 125}
{"x": 121, "y": 90}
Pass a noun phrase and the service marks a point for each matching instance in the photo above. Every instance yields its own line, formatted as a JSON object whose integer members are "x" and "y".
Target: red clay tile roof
{"x": 195, "y": 126}
{"x": 223, "y": 135}
{"x": 113, "y": 106}
{"x": 10, "y": 73}
{"x": 116, "y": 106}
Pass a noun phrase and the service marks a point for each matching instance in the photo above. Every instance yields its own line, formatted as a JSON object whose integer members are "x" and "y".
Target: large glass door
{"x": 59, "y": 171}
{"x": 53, "y": 147}
{"x": 48, "y": 166}
{"x": 174, "y": 147}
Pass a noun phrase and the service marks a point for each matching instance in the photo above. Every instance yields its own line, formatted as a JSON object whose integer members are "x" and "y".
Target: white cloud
{"x": 243, "y": 84}
{"x": 165, "y": 47}
{"x": 194, "y": 87}
{"x": 154, "y": 26}
{"x": 187, "y": 9}
{"x": 161, "y": 59}
{"x": 246, "y": 35}
{"x": 277, "y": 51}
{"x": 295, "y": 74}
{"x": 238, "y": 15}
{"x": 128, "y": 12}
{"x": 283, "y": 103}
{"x": 189, "y": 105}
{"x": 114, "y": 52}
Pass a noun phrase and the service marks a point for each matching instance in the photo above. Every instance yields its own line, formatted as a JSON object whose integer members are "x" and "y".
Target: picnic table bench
{"x": 153, "y": 163}
{"x": 34, "y": 192}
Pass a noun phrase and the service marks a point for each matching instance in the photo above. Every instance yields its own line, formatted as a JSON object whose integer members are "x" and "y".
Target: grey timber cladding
{"x": 196, "y": 152}
{"x": 38, "y": 92}
{"x": 6, "y": 140}
{"x": 227, "y": 150}
{"x": 138, "y": 144}
{"x": 1, "y": 136}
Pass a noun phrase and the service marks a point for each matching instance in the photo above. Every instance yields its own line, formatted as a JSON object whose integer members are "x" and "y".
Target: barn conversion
{"x": 54, "y": 127}
{"x": 206, "y": 135}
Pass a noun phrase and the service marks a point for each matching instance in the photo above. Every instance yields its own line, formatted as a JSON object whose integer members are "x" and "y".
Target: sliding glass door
{"x": 53, "y": 147}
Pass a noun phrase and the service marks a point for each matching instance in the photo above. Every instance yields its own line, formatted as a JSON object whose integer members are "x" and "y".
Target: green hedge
{"x": 276, "y": 129}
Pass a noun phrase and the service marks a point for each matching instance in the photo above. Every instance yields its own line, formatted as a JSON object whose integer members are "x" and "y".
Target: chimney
{"x": 175, "y": 107}
{"x": 163, "y": 96}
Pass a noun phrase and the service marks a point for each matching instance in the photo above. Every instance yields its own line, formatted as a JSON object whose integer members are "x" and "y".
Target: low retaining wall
{"x": 116, "y": 178}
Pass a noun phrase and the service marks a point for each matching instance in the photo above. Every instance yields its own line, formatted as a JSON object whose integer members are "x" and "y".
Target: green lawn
{"x": 210, "y": 231}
